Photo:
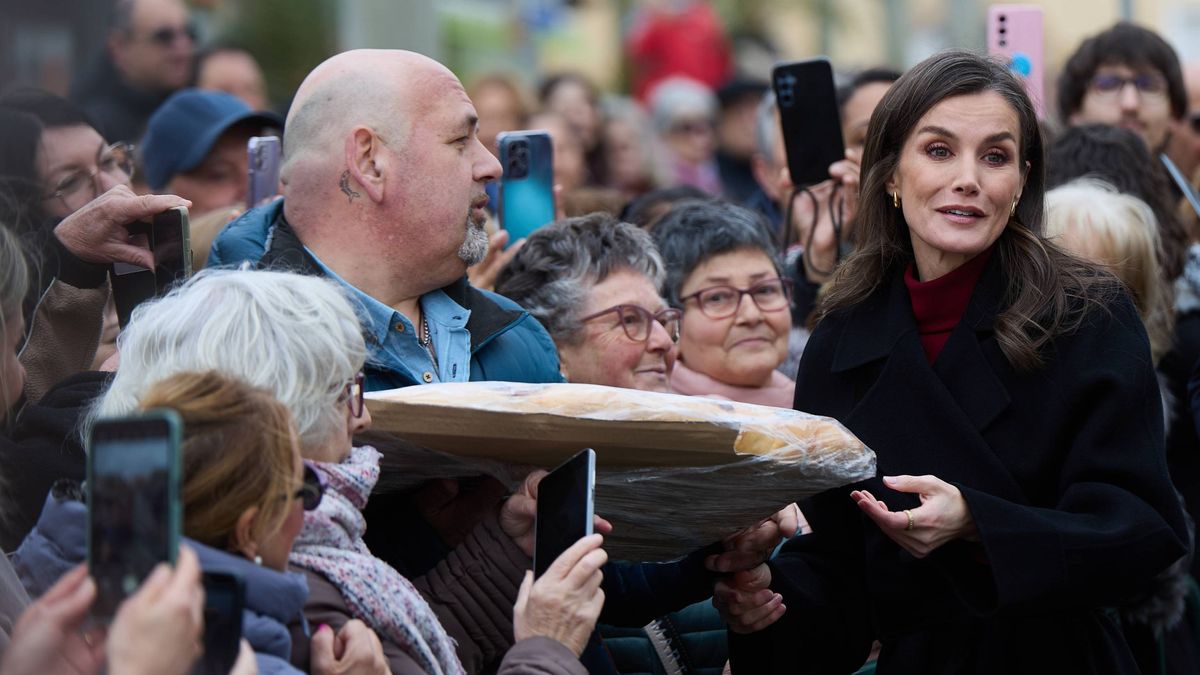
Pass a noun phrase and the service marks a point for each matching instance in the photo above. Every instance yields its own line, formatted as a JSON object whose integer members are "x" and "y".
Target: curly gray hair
{"x": 552, "y": 274}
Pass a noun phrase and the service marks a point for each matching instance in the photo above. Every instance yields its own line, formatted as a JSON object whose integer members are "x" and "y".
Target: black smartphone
{"x": 564, "y": 509}
{"x": 224, "y": 600}
{"x": 809, "y": 118}
{"x": 263, "y": 154}
{"x": 133, "y": 503}
{"x": 527, "y": 186}
{"x": 169, "y": 238}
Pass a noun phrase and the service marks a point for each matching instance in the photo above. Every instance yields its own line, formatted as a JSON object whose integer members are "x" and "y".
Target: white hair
{"x": 296, "y": 336}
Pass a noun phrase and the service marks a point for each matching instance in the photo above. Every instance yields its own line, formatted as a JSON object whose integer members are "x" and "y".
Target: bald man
{"x": 148, "y": 56}
{"x": 384, "y": 180}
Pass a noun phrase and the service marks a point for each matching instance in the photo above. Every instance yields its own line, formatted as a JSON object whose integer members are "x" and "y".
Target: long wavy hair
{"x": 1046, "y": 289}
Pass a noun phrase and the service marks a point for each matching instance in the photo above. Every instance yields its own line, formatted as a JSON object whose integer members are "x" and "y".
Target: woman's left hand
{"x": 942, "y": 516}
{"x": 518, "y": 515}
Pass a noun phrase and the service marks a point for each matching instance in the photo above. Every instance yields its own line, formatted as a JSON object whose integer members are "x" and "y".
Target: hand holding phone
{"x": 169, "y": 238}
{"x": 527, "y": 186}
{"x": 133, "y": 503}
{"x": 565, "y": 509}
{"x": 809, "y": 119}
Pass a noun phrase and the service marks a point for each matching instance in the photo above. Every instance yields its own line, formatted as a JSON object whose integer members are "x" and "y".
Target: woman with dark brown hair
{"x": 1008, "y": 391}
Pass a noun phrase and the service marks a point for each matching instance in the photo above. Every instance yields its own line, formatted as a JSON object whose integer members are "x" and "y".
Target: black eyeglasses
{"x": 722, "y": 302}
{"x": 311, "y": 490}
{"x": 353, "y": 394}
{"x": 1111, "y": 84}
{"x": 637, "y": 322}
{"x": 167, "y": 35}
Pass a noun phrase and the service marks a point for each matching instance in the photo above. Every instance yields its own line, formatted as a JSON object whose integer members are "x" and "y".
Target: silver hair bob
{"x": 296, "y": 336}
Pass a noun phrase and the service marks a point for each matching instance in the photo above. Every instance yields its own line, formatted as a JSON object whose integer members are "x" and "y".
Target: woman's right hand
{"x": 160, "y": 628}
{"x": 564, "y": 603}
{"x": 746, "y": 603}
{"x": 353, "y": 649}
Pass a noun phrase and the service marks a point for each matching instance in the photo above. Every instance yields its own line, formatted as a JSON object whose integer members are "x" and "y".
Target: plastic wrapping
{"x": 673, "y": 472}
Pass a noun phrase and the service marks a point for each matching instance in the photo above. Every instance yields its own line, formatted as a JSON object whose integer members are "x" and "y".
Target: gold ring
{"x": 910, "y": 520}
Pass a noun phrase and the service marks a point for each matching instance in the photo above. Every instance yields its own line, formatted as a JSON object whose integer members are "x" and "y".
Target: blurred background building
{"x": 43, "y": 42}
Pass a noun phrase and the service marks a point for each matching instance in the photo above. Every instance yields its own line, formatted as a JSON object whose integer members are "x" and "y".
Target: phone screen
{"x": 809, "y": 118}
{"x": 224, "y": 600}
{"x": 564, "y": 509}
{"x": 132, "y": 514}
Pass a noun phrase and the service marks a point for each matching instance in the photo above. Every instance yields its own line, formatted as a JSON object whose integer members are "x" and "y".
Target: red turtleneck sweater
{"x": 938, "y": 305}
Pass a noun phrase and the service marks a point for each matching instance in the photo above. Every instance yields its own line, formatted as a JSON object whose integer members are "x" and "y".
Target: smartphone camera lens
{"x": 1003, "y": 30}
{"x": 1003, "y": 18}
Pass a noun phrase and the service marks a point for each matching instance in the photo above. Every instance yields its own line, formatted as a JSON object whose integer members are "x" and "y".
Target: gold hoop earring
{"x": 1013, "y": 211}
{"x": 896, "y": 200}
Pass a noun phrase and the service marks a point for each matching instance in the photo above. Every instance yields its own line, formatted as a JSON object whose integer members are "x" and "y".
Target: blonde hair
{"x": 1093, "y": 220}
{"x": 14, "y": 282}
{"x": 238, "y": 453}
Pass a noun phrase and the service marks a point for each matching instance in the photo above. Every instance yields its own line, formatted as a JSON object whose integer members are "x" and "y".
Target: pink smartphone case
{"x": 1015, "y": 33}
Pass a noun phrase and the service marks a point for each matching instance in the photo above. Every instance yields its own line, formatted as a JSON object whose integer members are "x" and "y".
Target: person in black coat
{"x": 1008, "y": 391}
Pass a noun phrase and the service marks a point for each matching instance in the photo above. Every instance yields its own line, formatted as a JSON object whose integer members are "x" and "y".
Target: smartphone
{"x": 1014, "y": 34}
{"x": 169, "y": 238}
{"x": 224, "y": 600}
{"x": 527, "y": 186}
{"x": 133, "y": 503}
{"x": 264, "y": 154}
{"x": 809, "y": 117}
{"x": 564, "y": 509}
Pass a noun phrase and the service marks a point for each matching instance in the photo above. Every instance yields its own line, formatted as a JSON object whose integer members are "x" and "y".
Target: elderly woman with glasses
{"x": 465, "y": 614}
{"x": 724, "y": 274}
{"x": 55, "y": 167}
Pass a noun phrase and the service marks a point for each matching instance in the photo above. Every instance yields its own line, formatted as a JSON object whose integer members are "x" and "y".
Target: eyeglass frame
{"x": 355, "y": 402}
{"x": 166, "y": 36}
{"x": 311, "y": 490}
{"x": 786, "y": 285}
{"x": 1157, "y": 78}
{"x": 647, "y": 318}
{"x": 1193, "y": 121}
{"x": 127, "y": 167}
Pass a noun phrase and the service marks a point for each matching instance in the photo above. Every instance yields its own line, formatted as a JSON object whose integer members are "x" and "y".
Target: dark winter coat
{"x": 1063, "y": 470}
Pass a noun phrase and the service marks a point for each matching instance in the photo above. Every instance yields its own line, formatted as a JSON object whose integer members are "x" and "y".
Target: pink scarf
{"x": 331, "y": 544}
{"x": 779, "y": 391}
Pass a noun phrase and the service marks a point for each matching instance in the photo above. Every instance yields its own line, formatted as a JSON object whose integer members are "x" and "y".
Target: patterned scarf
{"x": 331, "y": 544}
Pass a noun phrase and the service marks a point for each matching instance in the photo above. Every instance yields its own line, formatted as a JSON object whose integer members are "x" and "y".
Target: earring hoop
{"x": 1013, "y": 211}
{"x": 896, "y": 200}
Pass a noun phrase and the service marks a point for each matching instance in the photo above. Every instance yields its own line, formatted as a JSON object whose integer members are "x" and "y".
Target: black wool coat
{"x": 1063, "y": 470}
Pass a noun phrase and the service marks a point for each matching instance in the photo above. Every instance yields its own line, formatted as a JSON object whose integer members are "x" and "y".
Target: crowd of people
{"x": 1005, "y": 309}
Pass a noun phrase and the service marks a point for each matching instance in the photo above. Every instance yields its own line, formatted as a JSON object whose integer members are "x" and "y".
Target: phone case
{"x": 166, "y": 224}
{"x": 156, "y": 423}
{"x": 557, "y": 489}
{"x": 224, "y": 602}
{"x": 809, "y": 118}
{"x": 527, "y": 187}
{"x": 264, "y": 154}
{"x": 1015, "y": 34}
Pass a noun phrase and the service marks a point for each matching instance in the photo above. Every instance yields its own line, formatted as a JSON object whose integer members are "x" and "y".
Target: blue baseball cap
{"x": 183, "y": 130}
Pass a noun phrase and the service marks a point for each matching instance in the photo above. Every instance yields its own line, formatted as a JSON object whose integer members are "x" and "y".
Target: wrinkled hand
{"x": 753, "y": 546}
{"x": 942, "y": 516}
{"x": 565, "y": 602}
{"x": 48, "y": 638}
{"x": 159, "y": 629}
{"x": 746, "y": 602}
{"x": 98, "y": 232}
{"x": 354, "y": 649}
{"x": 518, "y": 515}
{"x": 485, "y": 273}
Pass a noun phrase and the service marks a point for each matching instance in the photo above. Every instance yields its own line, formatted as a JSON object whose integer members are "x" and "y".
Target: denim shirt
{"x": 392, "y": 343}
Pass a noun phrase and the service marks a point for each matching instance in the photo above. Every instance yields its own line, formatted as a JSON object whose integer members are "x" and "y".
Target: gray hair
{"x": 295, "y": 336}
{"x": 766, "y": 126}
{"x": 695, "y": 230}
{"x": 552, "y": 273}
{"x": 677, "y": 97}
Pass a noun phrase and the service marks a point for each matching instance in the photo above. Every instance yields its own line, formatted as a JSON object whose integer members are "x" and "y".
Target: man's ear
{"x": 365, "y": 162}
{"x": 243, "y": 534}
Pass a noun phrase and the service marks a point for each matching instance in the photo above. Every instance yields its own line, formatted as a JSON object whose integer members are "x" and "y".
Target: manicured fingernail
{"x": 322, "y": 627}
